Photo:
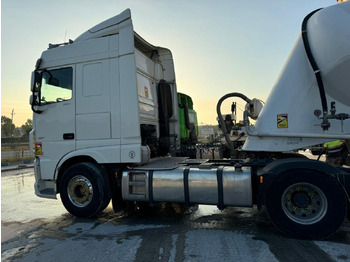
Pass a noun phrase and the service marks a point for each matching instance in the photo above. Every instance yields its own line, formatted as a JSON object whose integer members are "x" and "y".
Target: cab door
{"x": 54, "y": 122}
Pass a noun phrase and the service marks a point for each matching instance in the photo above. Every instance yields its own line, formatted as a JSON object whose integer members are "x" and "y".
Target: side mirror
{"x": 36, "y": 108}
{"x": 35, "y": 81}
{"x": 32, "y": 81}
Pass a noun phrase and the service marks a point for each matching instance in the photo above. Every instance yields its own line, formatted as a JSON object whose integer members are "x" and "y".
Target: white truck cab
{"x": 92, "y": 95}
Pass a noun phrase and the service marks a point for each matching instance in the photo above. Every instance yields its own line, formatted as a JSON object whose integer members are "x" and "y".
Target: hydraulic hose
{"x": 221, "y": 119}
{"x": 325, "y": 124}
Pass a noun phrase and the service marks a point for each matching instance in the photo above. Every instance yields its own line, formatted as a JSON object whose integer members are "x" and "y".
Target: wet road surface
{"x": 37, "y": 229}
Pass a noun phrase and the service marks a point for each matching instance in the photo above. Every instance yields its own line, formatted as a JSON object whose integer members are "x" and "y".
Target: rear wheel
{"x": 83, "y": 191}
{"x": 306, "y": 204}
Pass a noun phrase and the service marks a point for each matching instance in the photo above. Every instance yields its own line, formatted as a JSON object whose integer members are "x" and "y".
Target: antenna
{"x": 65, "y": 36}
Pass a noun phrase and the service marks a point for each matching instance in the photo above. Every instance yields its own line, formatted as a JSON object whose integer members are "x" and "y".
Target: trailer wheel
{"x": 83, "y": 191}
{"x": 305, "y": 204}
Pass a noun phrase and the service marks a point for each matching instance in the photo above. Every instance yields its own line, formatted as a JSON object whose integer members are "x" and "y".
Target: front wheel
{"x": 83, "y": 191}
{"x": 305, "y": 204}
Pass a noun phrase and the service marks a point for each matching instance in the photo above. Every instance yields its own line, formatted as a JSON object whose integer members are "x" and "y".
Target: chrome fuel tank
{"x": 222, "y": 186}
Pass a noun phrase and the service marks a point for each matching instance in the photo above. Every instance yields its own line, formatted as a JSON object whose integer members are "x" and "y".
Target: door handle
{"x": 68, "y": 136}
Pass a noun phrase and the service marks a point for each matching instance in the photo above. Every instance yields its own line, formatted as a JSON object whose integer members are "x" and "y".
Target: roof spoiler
{"x": 107, "y": 27}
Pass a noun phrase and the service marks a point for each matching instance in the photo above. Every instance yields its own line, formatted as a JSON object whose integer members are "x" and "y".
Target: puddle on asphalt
{"x": 20, "y": 204}
{"x": 205, "y": 210}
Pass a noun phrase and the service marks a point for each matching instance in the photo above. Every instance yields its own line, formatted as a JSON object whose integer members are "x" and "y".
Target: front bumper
{"x": 43, "y": 188}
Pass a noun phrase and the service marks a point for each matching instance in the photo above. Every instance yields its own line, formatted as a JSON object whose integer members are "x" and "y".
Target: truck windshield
{"x": 56, "y": 86}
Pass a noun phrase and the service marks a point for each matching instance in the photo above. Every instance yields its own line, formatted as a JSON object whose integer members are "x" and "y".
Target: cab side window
{"x": 56, "y": 86}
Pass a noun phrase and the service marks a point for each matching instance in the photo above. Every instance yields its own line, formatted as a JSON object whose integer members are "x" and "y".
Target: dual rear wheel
{"x": 306, "y": 204}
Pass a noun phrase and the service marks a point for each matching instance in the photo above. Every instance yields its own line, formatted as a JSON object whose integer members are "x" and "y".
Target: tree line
{"x": 9, "y": 130}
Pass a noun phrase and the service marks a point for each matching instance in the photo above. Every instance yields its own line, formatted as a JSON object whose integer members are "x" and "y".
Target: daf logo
{"x": 131, "y": 154}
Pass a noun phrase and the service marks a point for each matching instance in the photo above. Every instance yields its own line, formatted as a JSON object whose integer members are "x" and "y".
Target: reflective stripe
{"x": 334, "y": 149}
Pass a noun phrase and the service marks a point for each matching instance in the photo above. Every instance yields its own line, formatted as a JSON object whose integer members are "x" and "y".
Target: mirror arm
{"x": 36, "y": 111}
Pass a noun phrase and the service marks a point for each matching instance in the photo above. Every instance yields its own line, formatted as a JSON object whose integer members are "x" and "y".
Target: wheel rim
{"x": 304, "y": 203}
{"x": 80, "y": 191}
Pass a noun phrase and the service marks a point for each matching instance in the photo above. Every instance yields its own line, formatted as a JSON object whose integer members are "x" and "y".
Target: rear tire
{"x": 306, "y": 204}
{"x": 83, "y": 191}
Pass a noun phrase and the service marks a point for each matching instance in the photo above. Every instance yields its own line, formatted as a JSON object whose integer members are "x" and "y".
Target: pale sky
{"x": 218, "y": 46}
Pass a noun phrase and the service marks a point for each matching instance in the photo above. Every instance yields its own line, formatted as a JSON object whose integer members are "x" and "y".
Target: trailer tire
{"x": 306, "y": 204}
{"x": 83, "y": 191}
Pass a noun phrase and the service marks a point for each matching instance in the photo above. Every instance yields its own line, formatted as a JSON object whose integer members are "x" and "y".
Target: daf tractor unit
{"x": 109, "y": 124}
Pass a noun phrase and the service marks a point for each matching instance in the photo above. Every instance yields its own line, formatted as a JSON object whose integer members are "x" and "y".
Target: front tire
{"x": 306, "y": 204}
{"x": 83, "y": 191}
